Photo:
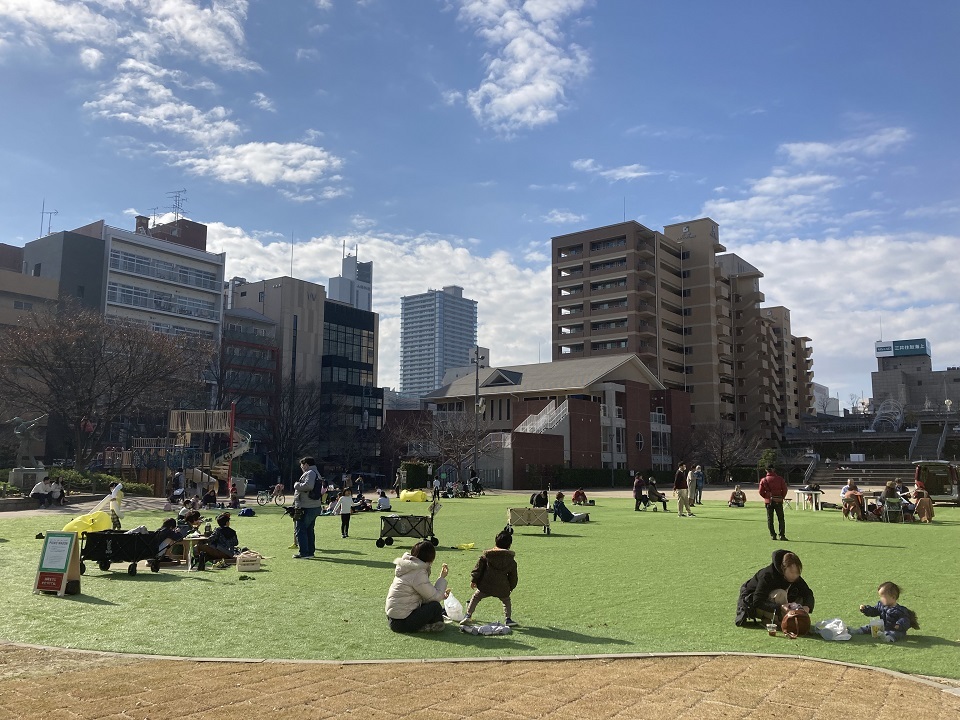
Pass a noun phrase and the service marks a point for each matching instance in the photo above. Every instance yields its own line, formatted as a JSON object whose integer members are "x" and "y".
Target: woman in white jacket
{"x": 413, "y": 602}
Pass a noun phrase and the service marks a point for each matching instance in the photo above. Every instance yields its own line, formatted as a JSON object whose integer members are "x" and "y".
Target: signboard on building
{"x": 901, "y": 348}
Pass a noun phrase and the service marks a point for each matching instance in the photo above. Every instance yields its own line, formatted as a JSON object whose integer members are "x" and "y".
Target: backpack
{"x": 316, "y": 492}
{"x": 795, "y": 622}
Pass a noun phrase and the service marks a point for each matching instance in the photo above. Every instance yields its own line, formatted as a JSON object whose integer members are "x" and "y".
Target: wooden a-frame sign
{"x": 59, "y": 563}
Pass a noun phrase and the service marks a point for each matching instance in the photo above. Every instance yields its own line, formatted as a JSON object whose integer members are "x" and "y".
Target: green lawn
{"x": 626, "y": 582}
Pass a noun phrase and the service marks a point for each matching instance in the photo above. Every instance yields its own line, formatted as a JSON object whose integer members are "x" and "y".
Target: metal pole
{"x": 476, "y": 407}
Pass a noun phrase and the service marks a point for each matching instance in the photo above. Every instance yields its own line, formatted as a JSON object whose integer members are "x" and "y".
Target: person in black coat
{"x": 775, "y": 585}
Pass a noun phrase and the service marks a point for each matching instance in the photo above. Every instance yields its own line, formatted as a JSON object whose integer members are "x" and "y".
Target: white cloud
{"x": 362, "y": 223}
{"x": 263, "y": 102}
{"x": 308, "y": 54}
{"x": 840, "y": 289}
{"x": 324, "y": 4}
{"x": 138, "y": 94}
{"x": 91, "y": 58}
{"x": 527, "y": 75}
{"x": 870, "y": 146}
{"x": 266, "y": 163}
{"x": 941, "y": 209}
{"x": 623, "y": 172}
{"x": 509, "y": 294}
{"x": 562, "y": 217}
{"x": 39, "y": 21}
{"x": 451, "y": 97}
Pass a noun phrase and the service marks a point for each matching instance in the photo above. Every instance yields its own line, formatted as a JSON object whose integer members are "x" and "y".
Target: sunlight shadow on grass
{"x": 826, "y": 542}
{"x": 88, "y": 600}
{"x": 365, "y": 563}
{"x": 554, "y": 633}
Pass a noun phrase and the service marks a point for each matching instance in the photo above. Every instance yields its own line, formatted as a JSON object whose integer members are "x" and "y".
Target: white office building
{"x": 354, "y": 285}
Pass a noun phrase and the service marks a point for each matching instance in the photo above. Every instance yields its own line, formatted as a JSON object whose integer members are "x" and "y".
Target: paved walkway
{"x": 54, "y": 684}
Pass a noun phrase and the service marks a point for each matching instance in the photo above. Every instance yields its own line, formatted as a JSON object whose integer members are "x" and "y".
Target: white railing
{"x": 546, "y": 419}
{"x": 496, "y": 441}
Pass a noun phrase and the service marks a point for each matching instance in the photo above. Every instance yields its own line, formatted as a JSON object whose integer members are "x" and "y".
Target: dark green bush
{"x": 417, "y": 476}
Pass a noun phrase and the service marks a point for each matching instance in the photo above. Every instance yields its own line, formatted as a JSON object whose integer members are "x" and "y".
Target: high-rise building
{"x": 354, "y": 285}
{"x": 438, "y": 329}
{"x": 690, "y": 312}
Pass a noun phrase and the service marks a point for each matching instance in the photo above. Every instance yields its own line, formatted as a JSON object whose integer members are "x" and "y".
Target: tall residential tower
{"x": 438, "y": 329}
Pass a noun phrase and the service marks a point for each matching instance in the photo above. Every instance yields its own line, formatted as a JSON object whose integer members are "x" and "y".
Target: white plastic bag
{"x": 454, "y": 608}
{"x": 833, "y": 629}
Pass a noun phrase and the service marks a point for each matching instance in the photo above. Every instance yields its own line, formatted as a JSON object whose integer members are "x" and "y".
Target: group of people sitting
{"x": 915, "y": 506}
{"x": 560, "y": 510}
{"x": 220, "y": 545}
{"x": 645, "y": 494}
{"x": 48, "y": 493}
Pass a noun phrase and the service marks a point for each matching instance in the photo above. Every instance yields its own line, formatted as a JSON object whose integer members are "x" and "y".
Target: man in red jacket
{"x": 773, "y": 489}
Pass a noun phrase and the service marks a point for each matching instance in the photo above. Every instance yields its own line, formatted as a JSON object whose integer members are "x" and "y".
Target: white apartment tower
{"x": 354, "y": 285}
{"x": 438, "y": 329}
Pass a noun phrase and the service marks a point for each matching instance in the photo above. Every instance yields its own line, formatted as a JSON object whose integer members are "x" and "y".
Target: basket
{"x": 248, "y": 562}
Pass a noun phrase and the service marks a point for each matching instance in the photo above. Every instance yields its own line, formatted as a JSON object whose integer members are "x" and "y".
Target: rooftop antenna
{"x": 343, "y": 254}
{"x": 154, "y": 216}
{"x": 291, "y": 253}
{"x": 624, "y": 208}
{"x": 49, "y": 214}
{"x": 178, "y": 198}
{"x": 881, "y": 326}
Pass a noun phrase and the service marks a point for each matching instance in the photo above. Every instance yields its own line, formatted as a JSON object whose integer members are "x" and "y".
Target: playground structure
{"x": 200, "y": 443}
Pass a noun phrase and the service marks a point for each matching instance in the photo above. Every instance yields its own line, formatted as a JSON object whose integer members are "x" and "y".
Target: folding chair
{"x": 892, "y": 508}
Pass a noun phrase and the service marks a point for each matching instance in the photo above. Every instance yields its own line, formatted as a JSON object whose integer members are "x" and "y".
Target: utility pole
{"x": 477, "y": 361}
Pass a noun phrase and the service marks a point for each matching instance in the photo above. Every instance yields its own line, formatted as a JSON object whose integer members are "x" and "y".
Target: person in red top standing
{"x": 773, "y": 489}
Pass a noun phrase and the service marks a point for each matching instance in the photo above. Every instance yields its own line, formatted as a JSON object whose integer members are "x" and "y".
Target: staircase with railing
{"x": 546, "y": 419}
{"x": 220, "y": 464}
{"x": 929, "y": 441}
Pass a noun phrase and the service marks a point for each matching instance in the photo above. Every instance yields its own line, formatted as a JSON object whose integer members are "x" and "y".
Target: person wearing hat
{"x": 223, "y": 543}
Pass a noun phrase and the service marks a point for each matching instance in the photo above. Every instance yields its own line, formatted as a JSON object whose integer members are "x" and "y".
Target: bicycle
{"x": 265, "y": 496}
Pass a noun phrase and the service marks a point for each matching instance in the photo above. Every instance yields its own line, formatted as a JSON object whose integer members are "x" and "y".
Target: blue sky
{"x": 450, "y": 139}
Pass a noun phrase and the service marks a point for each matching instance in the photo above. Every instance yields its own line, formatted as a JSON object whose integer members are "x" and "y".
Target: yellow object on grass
{"x": 466, "y": 546}
{"x": 91, "y": 522}
{"x": 413, "y": 496}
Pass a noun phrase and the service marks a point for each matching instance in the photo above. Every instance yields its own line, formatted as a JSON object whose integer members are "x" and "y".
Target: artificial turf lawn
{"x": 625, "y": 582}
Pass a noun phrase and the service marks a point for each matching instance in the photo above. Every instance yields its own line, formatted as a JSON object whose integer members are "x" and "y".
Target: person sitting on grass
{"x": 413, "y": 602}
{"x": 560, "y": 510}
{"x": 738, "y": 498}
{"x": 896, "y": 618}
{"x": 209, "y": 498}
{"x": 539, "y": 499}
{"x": 655, "y": 495}
{"x": 383, "y": 502}
{"x": 924, "y": 505}
{"x": 495, "y": 575}
{"x": 777, "y": 584}
{"x": 579, "y": 497}
{"x": 223, "y": 543}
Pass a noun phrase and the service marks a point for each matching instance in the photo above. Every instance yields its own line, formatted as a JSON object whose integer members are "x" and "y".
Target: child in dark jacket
{"x": 896, "y": 618}
{"x": 495, "y": 575}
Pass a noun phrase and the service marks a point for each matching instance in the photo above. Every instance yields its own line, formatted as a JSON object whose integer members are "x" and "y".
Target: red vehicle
{"x": 941, "y": 478}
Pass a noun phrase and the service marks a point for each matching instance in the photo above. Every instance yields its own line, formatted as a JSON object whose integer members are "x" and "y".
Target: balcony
{"x": 571, "y": 310}
{"x": 646, "y": 269}
{"x": 604, "y": 308}
{"x": 607, "y": 267}
{"x": 570, "y": 291}
{"x": 646, "y": 249}
{"x": 646, "y": 289}
{"x": 570, "y": 253}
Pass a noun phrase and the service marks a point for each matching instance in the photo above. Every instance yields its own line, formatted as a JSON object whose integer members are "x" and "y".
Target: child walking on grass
{"x": 343, "y": 508}
{"x": 494, "y": 576}
{"x": 896, "y": 618}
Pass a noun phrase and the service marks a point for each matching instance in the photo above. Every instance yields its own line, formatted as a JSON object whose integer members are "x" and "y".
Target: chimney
{"x": 143, "y": 225}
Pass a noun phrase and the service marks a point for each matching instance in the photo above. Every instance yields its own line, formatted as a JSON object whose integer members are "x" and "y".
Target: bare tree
{"x": 88, "y": 370}
{"x": 722, "y": 446}
{"x": 455, "y": 435}
{"x": 296, "y": 428}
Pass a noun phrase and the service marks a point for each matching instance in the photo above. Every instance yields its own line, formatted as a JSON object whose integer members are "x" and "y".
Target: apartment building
{"x": 250, "y": 369}
{"x": 688, "y": 310}
{"x": 161, "y": 277}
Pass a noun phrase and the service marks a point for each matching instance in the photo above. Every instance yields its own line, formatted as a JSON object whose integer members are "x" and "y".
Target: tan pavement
{"x": 53, "y": 684}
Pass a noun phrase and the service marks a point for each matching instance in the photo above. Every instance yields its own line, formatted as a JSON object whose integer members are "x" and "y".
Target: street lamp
{"x": 477, "y": 360}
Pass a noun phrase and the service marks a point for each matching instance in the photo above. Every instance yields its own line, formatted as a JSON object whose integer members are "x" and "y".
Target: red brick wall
{"x": 533, "y": 452}
{"x": 585, "y": 434}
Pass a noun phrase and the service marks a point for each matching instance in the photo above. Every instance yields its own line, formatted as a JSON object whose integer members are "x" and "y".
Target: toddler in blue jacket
{"x": 896, "y": 618}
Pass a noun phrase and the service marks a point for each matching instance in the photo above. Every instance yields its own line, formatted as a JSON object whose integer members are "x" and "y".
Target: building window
{"x": 243, "y": 293}
{"x": 260, "y": 297}
{"x": 639, "y": 442}
{"x": 21, "y": 305}
{"x": 36, "y": 270}
{"x": 685, "y": 255}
